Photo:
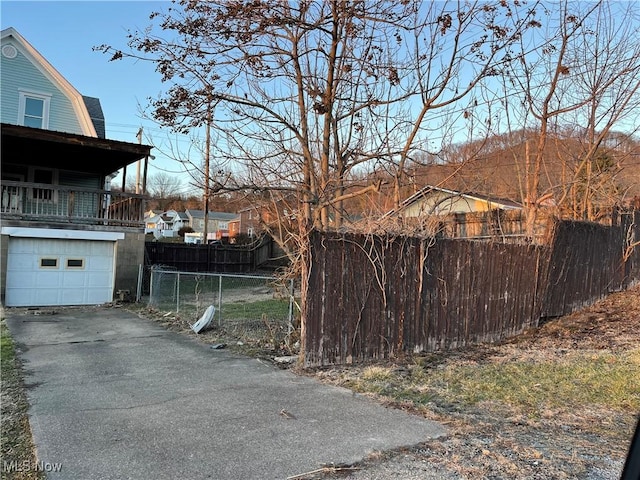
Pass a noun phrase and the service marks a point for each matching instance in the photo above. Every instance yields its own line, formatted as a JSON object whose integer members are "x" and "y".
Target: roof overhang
{"x": 68, "y": 151}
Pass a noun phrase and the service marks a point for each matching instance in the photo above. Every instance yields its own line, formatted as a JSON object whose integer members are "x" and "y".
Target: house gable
{"x": 180, "y": 220}
{"x": 27, "y": 75}
{"x": 432, "y": 200}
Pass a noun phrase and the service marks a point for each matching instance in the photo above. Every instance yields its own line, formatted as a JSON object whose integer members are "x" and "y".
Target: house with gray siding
{"x": 217, "y": 224}
{"x": 66, "y": 237}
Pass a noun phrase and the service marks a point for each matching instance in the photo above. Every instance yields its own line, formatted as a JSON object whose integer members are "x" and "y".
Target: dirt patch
{"x": 498, "y": 439}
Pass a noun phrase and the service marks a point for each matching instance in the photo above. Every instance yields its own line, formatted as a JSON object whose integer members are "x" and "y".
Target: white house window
{"x": 34, "y": 110}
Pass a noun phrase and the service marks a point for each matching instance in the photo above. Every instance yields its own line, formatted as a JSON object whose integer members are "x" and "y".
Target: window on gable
{"x": 34, "y": 110}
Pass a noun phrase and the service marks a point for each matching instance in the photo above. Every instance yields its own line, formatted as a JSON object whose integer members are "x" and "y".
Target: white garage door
{"x": 43, "y": 272}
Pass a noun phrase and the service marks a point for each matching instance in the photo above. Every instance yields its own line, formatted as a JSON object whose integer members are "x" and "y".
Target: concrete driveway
{"x": 115, "y": 396}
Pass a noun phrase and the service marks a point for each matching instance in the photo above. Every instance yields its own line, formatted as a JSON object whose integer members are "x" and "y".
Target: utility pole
{"x": 139, "y": 135}
{"x": 207, "y": 151}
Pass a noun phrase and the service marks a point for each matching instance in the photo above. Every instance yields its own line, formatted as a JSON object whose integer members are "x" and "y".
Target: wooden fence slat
{"x": 375, "y": 297}
{"x": 207, "y": 258}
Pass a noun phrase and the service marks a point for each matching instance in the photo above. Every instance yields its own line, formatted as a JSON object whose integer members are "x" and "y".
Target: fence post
{"x": 178, "y": 293}
{"x": 152, "y": 281}
{"x": 219, "y": 300}
{"x": 139, "y": 287}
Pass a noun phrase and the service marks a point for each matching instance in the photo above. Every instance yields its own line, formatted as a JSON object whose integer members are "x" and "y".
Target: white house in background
{"x": 151, "y": 219}
{"x": 165, "y": 224}
{"x": 180, "y": 220}
{"x": 170, "y": 223}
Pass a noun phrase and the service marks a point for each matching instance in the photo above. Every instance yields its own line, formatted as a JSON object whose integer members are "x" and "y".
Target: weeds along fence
{"x": 372, "y": 297}
{"x": 246, "y": 305}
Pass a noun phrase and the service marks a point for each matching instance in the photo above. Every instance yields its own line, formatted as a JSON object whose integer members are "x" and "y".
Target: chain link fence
{"x": 250, "y": 308}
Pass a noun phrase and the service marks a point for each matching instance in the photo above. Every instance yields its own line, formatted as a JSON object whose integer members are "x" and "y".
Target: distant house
{"x": 248, "y": 221}
{"x": 252, "y": 220}
{"x": 170, "y": 222}
{"x": 165, "y": 224}
{"x": 432, "y": 200}
{"x": 151, "y": 219}
{"x": 179, "y": 221}
{"x": 217, "y": 225}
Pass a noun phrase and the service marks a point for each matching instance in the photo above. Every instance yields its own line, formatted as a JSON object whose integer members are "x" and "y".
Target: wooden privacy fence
{"x": 588, "y": 261}
{"x": 208, "y": 258}
{"x": 372, "y": 297}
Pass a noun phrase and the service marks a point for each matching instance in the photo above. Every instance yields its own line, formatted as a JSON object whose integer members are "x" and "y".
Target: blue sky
{"x": 65, "y": 34}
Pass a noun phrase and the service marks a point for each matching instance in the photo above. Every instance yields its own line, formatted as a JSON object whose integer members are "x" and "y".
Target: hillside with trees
{"x": 496, "y": 166}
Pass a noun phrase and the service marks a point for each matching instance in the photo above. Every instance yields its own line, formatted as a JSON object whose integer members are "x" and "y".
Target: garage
{"x": 77, "y": 269}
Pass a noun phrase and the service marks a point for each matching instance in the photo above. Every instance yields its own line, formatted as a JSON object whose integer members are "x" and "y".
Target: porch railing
{"x": 65, "y": 204}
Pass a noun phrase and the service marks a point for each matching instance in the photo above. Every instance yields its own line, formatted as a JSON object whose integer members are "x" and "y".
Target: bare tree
{"x": 611, "y": 81}
{"x": 584, "y": 72}
{"x": 164, "y": 188}
{"x": 454, "y": 50}
{"x": 164, "y": 185}
{"x": 307, "y": 92}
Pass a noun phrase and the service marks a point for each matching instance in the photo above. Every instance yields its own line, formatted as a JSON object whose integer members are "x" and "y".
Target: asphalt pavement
{"x": 116, "y": 396}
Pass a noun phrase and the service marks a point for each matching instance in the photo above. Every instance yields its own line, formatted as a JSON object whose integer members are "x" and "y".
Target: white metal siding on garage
{"x": 53, "y": 271}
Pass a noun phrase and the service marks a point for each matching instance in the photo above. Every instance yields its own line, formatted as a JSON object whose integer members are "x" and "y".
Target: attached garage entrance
{"x": 60, "y": 271}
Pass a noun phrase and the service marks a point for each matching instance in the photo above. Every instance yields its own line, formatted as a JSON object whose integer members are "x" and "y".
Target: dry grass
{"x": 560, "y": 401}
{"x": 571, "y": 382}
{"x": 17, "y": 445}
{"x": 254, "y": 334}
